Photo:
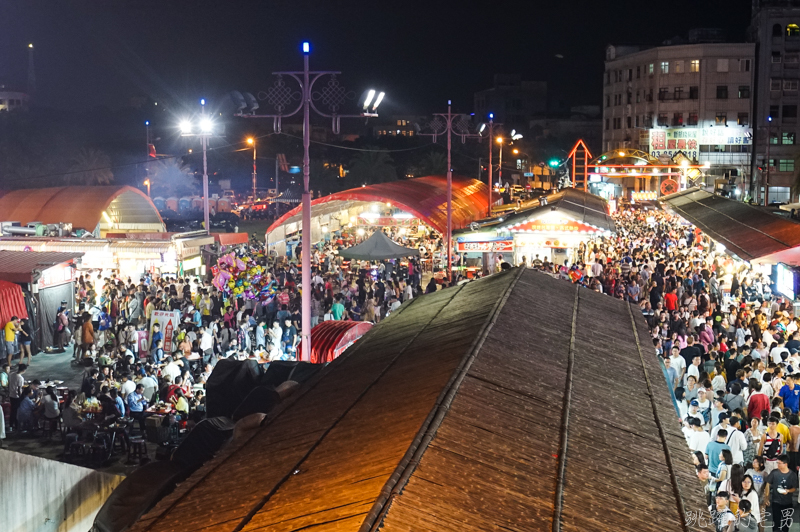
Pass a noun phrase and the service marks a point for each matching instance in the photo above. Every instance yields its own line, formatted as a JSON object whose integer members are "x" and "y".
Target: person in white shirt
{"x": 697, "y": 439}
{"x": 678, "y": 363}
{"x": 693, "y": 370}
{"x": 776, "y": 352}
{"x": 127, "y": 386}
{"x": 171, "y": 369}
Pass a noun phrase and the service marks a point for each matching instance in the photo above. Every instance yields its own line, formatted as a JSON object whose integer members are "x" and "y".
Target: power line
{"x": 360, "y": 149}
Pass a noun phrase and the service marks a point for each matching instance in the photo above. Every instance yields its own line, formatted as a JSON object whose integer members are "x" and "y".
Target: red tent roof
{"x": 424, "y": 197}
{"x": 19, "y": 266}
{"x": 12, "y": 302}
{"x": 329, "y": 339}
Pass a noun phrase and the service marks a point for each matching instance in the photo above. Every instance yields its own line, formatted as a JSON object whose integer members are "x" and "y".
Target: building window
{"x": 773, "y": 137}
{"x": 722, "y": 92}
{"x": 629, "y": 97}
{"x": 744, "y": 65}
{"x": 679, "y": 67}
{"x": 694, "y": 93}
{"x": 694, "y": 66}
{"x": 628, "y": 121}
{"x": 648, "y": 120}
{"x": 791, "y": 60}
{"x": 792, "y": 30}
{"x": 777, "y": 31}
{"x": 786, "y": 165}
{"x": 650, "y": 95}
{"x": 608, "y": 100}
{"x": 790, "y": 85}
{"x": 607, "y": 122}
{"x": 410, "y": 133}
{"x": 774, "y": 112}
{"x": 650, "y": 69}
{"x": 665, "y": 67}
{"x": 638, "y": 72}
{"x": 776, "y": 57}
{"x": 630, "y": 74}
{"x": 692, "y": 120}
{"x": 744, "y": 91}
{"x": 721, "y": 119}
{"x": 663, "y": 94}
{"x": 399, "y": 122}
{"x": 677, "y": 119}
{"x": 678, "y": 93}
{"x": 775, "y": 84}
{"x": 722, "y": 65}
{"x": 637, "y": 120}
{"x": 742, "y": 119}
{"x": 638, "y": 96}
{"x": 788, "y": 137}
{"x": 789, "y": 112}
{"x": 662, "y": 119}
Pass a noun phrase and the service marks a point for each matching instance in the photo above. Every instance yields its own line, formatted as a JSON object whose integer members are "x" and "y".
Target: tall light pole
{"x": 333, "y": 96}
{"x": 147, "y": 184}
{"x": 205, "y": 130}
{"x": 491, "y": 150}
{"x": 252, "y": 141}
{"x": 769, "y": 162}
{"x": 447, "y": 123}
{"x": 500, "y": 141}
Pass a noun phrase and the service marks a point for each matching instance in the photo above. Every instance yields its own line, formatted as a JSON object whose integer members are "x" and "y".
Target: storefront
{"x": 479, "y": 249}
{"x": 787, "y": 283}
{"x": 126, "y": 257}
{"x": 552, "y": 239}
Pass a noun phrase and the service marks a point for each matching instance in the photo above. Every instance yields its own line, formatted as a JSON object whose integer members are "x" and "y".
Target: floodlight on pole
{"x": 368, "y": 100}
{"x": 206, "y": 125}
{"x": 185, "y": 127}
{"x": 378, "y": 101}
{"x": 306, "y": 47}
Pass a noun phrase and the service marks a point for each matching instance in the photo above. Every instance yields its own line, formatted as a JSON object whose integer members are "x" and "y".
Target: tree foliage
{"x": 90, "y": 167}
{"x": 171, "y": 177}
{"x": 370, "y": 167}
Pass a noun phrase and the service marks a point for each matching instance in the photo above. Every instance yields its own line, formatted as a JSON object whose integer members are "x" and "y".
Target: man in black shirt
{"x": 778, "y": 488}
{"x": 690, "y": 351}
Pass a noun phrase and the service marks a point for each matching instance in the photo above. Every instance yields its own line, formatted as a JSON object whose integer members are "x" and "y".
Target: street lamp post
{"x": 206, "y": 129}
{"x": 147, "y": 184}
{"x": 769, "y": 162}
{"x": 333, "y": 96}
{"x": 446, "y": 123}
{"x": 252, "y": 142}
{"x": 491, "y": 150}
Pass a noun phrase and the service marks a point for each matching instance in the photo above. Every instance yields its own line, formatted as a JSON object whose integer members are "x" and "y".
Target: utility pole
{"x": 282, "y": 98}
{"x": 769, "y": 162}
{"x": 446, "y": 123}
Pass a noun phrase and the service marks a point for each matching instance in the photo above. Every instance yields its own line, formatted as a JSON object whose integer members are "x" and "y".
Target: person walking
{"x": 10, "y": 336}
{"x": 16, "y": 382}
{"x": 778, "y": 488}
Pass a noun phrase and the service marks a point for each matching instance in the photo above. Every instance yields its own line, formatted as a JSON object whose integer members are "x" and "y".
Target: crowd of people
{"x": 729, "y": 347}
{"x": 730, "y": 353}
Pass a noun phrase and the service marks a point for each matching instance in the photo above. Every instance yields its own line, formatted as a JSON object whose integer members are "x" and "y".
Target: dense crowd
{"x": 730, "y": 353}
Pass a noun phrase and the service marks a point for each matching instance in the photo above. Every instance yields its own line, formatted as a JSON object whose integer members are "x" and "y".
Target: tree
{"x": 90, "y": 167}
{"x": 323, "y": 178}
{"x": 373, "y": 166}
{"x": 171, "y": 176}
{"x": 434, "y": 163}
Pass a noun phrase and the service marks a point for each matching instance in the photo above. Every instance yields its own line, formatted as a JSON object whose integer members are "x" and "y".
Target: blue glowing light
{"x": 306, "y": 47}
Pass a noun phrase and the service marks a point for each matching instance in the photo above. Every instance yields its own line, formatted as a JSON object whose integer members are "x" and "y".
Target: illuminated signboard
{"x": 667, "y": 142}
{"x": 56, "y": 275}
{"x": 543, "y": 226}
{"x": 497, "y": 246}
{"x": 785, "y": 281}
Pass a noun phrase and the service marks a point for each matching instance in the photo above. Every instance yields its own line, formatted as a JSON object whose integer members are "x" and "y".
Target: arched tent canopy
{"x": 423, "y": 197}
{"x": 125, "y": 208}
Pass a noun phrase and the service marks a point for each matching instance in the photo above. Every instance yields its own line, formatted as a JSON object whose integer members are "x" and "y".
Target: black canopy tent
{"x": 377, "y": 247}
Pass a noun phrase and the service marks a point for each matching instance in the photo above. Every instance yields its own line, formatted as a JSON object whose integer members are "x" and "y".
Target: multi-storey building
{"x": 692, "y": 98}
{"x": 513, "y": 102}
{"x": 775, "y": 29}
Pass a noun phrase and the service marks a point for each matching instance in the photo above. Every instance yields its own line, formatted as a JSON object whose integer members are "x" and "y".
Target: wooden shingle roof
{"x": 517, "y": 402}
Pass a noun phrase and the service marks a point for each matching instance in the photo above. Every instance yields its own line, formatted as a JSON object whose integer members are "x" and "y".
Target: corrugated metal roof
{"x": 82, "y": 245}
{"x": 424, "y": 197}
{"x": 747, "y": 231}
{"x": 18, "y": 266}
{"x": 503, "y": 404}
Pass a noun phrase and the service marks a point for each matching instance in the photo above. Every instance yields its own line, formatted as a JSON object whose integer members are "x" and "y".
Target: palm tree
{"x": 90, "y": 167}
{"x": 372, "y": 166}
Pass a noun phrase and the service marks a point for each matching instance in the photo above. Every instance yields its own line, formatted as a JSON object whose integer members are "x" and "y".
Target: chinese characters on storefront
{"x": 667, "y": 142}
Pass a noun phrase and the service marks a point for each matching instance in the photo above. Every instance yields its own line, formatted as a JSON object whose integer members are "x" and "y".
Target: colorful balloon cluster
{"x": 239, "y": 276}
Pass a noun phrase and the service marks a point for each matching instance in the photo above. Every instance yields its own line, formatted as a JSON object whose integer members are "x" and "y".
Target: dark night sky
{"x": 420, "y": 52}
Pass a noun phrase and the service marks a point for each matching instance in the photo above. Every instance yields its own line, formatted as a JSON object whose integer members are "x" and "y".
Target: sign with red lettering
{"x": 543, "y": 226}
{"x": 498, "y": 246}
{"x": 63, "y": 273}
{"x": 167, "y": 322}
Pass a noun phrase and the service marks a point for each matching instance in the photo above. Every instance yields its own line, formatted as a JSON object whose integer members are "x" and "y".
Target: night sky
{"x": 104, "y": 52}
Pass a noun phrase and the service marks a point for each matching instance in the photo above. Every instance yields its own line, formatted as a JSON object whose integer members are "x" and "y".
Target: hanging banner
{"x": 168, "y": 322}
{"x": 668, "y": 142}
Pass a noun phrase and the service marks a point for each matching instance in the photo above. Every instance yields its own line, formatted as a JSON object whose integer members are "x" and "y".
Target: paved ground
{"x": 46, "y": 366}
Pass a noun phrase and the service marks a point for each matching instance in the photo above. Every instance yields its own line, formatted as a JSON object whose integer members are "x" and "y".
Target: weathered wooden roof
{"x": 517, "y": 402}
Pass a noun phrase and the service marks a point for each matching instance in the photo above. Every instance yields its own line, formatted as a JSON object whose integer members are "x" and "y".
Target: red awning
{"x": 12, "y": 302}
{"x": 329, "y": 339}
{"x": 424, "y": 197}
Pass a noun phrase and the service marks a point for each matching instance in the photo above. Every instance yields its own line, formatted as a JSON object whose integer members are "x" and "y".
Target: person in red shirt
{"x": 671, "y": 300}
{"x": 758, "y": 402}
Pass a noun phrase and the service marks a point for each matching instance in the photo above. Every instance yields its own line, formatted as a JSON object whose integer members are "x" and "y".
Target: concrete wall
{"x": 41, "y": 495}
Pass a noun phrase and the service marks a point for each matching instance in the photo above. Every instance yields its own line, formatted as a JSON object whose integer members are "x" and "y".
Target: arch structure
{"x": 97, "y": 210}
{"x": 424, "y": 198}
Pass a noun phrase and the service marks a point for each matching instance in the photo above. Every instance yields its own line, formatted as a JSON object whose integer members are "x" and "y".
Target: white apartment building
{"x": 689, "y": 98}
